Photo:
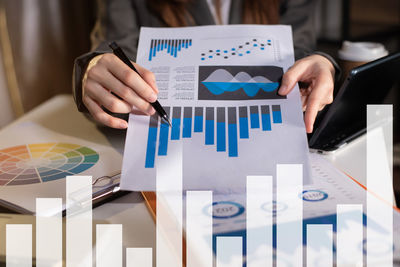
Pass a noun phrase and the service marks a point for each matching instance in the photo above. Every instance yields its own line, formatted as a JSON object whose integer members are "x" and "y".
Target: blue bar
{"x": 221, "y": 137}
{"x": 232, "y": 132}
{"x": 277, "y": 116}
{"x": 209, "y": 135}
{"x": 187, "y": 128}
{"x": 176, "y": 49}
{"x": 190, "y": 42}
{"x": 254, "y": 121}
{"x": 198, "y": 124}
{"x": 165, "y": 44}
{"x": 151, "y": 147}
{"x": 158, "y": 46}
{"x": 266, "y": 118}
{"x": 186, "y": 43}
{"x": 163, "y": 140}
{"x": 243, "y": 123}
{"x": 266, "y": 122}
{"x": 180, "y": 44}
{"x": 244, "y": 127}
{"x": 209, "y": 132}
{"x": 154, "y": 49}
{"x": 151, "y": 51}
{"x": 169, "y": 48}
{"x": 254, "y": 117}
{"x": 176, "y": 123}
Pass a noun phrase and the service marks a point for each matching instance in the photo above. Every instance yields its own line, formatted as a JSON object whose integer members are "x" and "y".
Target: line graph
{"x": 239, "y": 82}
{"x": 240, "y": 50}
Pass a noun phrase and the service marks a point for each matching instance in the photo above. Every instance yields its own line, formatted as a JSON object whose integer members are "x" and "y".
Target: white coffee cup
{"x": 354, "y": 54}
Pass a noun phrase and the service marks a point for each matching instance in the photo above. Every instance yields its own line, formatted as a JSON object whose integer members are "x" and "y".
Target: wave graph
{"x": 250, "y": 85}
{"x": 239, "y": 82}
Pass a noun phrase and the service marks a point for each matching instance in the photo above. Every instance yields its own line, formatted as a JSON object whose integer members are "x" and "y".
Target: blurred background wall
{"x": 39, "y": 41}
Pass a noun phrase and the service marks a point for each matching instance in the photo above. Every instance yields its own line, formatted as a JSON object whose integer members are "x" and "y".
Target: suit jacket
{"x": 120, "y": 21}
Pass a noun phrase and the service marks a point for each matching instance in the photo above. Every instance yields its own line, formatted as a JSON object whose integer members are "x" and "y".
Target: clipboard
{"x": 104, "y": 189}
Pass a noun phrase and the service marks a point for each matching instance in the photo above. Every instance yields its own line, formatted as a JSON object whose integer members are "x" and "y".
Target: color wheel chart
{"x": 170, "y": 46}
{"x": 221, "y": 126}
{"x": 37, "y": 163}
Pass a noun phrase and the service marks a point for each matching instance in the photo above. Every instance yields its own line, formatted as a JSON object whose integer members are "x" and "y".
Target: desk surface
{"x": 60, "y": 115}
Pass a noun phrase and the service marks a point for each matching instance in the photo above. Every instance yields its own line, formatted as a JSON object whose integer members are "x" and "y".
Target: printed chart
{"x": 239, "y": 82}
{"x": 169, "y": 46}
{"x": 240, "y": 50}
{"x": 222, "y": 126}
{"x": 43, "y": 162}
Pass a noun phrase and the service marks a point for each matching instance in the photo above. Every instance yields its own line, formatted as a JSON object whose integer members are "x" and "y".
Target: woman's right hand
{"x": 108, "y": 77}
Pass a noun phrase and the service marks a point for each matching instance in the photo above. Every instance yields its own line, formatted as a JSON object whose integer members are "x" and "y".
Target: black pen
{"x": 156, "y": 105}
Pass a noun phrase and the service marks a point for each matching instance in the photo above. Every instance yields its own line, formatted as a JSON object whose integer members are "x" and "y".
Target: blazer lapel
{"x": 201, "y": 12}
{"x": 235, "y": 13}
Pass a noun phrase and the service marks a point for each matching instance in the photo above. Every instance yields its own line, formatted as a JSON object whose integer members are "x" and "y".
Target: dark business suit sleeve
{"x": 116, "y": 21}
{"x": 300, "y": 14}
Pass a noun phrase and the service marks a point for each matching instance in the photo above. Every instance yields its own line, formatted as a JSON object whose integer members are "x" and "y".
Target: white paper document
{"x": 219, "y": 86}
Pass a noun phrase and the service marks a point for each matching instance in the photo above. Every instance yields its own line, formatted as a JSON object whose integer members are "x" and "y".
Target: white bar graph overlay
{"x": 109, "y": 245}
{"x": 229, "y": 251}
{"x": 289, "y": 236}
{"x": 19, "y": 245}
{"x": 259, "y": 225}
{"x": 169, "y": 208}
{"x": 198, "y": 229}
{"x": 79, "y": 221}
{"x": 349, "y": 235}
{"x": 48, "y": 232}
{"x": 379, "y": 244}
{"x": 139, "y": 257}
{"x": 319, "y": 245}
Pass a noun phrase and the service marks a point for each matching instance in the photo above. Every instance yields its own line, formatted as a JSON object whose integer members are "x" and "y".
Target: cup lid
{"x": 361, "y": 51}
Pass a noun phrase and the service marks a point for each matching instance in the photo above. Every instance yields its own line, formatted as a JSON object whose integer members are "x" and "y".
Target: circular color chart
{"x": 38, "y": 163}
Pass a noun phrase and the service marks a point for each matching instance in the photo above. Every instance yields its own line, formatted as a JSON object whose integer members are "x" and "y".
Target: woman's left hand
{"x": 315, "y": 74}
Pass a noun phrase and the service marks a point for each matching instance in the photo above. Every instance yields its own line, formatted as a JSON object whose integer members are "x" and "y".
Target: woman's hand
{"x": 111, "y": 84}
{"x": 316, "y": 77}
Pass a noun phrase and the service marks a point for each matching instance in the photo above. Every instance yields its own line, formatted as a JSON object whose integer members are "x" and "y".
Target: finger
{"x": 148, "y": 76}
{"x": 292, "y": 76}
{"x": 316, "y": 99}
{"x": 108, "y": 81}
{"x": 101, "y": 116}
{"x": 103, "y": 97}
{"x": 129, "y": 77}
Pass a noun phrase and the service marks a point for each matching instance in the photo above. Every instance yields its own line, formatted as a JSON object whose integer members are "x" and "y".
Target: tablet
{"x": 346, "y": 118}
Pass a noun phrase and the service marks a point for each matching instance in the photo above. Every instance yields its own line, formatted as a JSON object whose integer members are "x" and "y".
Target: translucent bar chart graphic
{"x": 320, "y": 245}
{"x": 349, "y": 235}
{"x": 109, "y": 245}
{"x": 139, "y": 257}
{"x": 379, "y": 245}
{"x": 259, "y": 228}
{"x": 19, "y": 245}
{"x": 48, "y": 232}
{"x": 79, "y": 221}
{"x": 229, "y": 251}
{"x": 171, "y": 47}
{"x": 222, "y": 127}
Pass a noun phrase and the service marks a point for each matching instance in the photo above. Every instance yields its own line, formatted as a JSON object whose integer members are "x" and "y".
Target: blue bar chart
{"x": 222, "y": 127}
{"x": 171, "y": 47}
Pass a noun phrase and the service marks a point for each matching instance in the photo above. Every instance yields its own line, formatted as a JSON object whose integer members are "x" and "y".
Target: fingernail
{"x": 153, "y": 98}
{"x": 123, "y": 125}
{"x": 282, "y": 90}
